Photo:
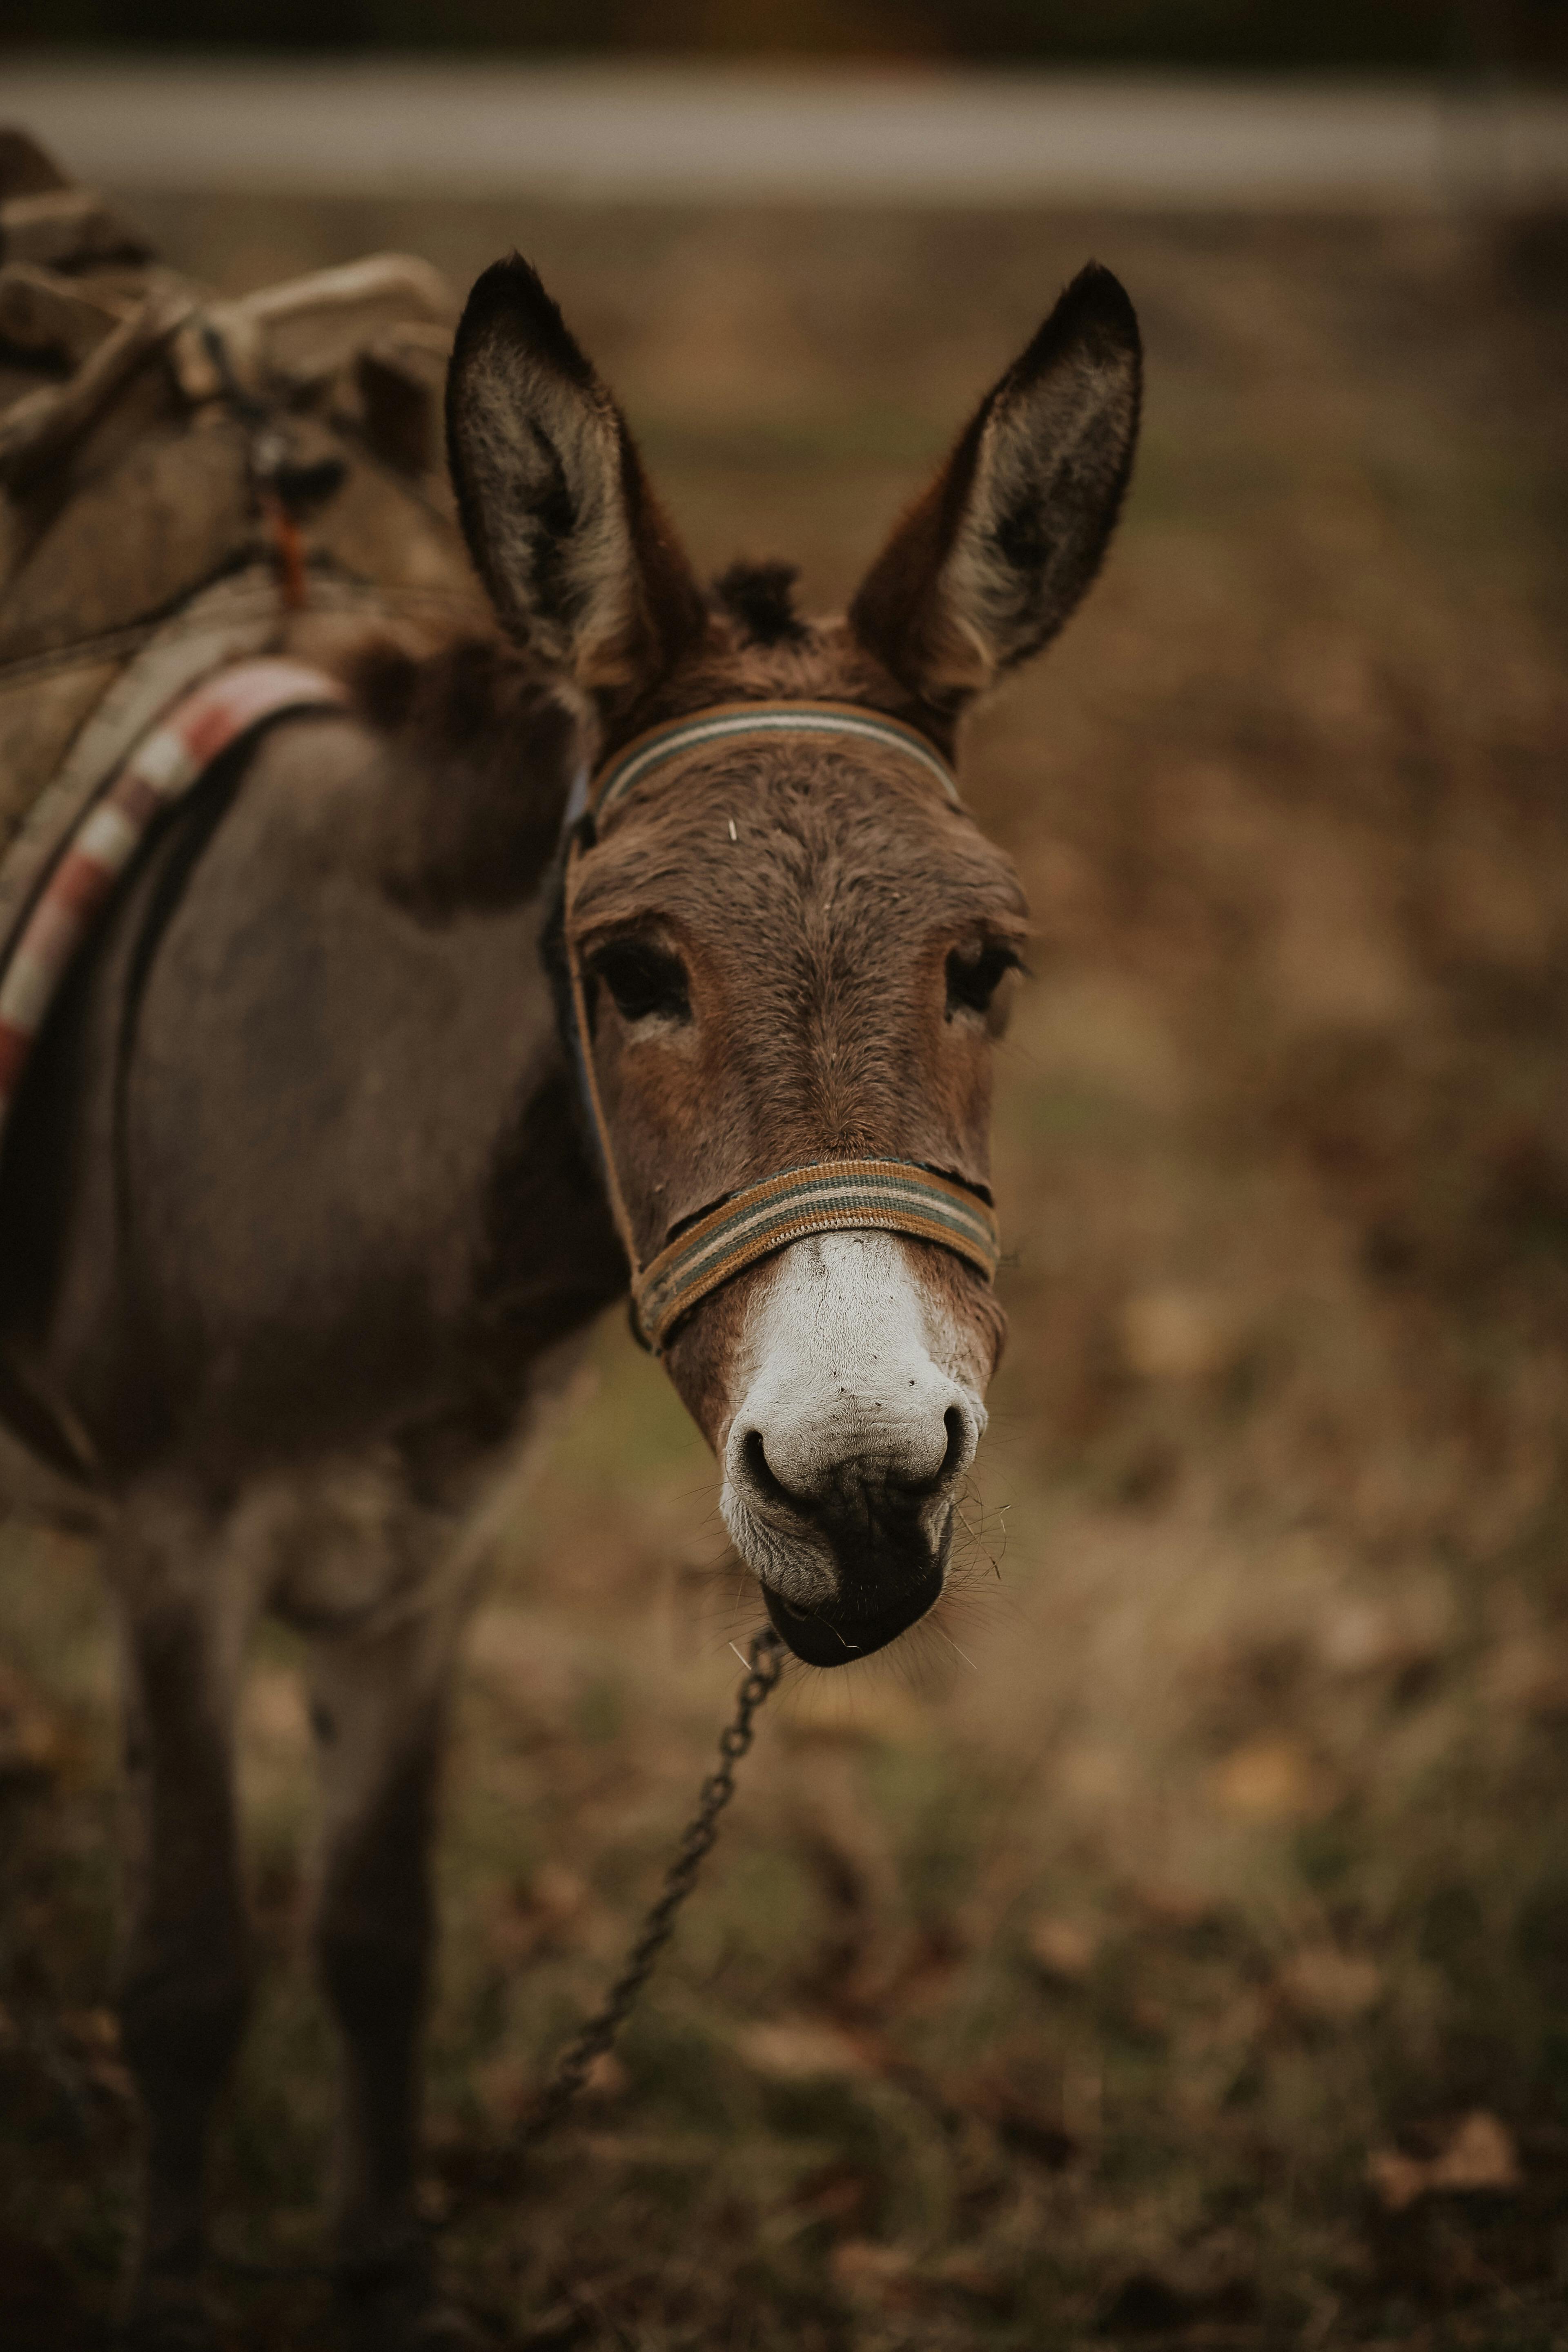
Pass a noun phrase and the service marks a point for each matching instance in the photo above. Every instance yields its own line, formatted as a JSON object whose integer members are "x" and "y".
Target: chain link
{"x": 763, "y": 1667}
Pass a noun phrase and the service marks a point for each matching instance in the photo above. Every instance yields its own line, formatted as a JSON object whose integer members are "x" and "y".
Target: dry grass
{"x": 1121, "y": 1958}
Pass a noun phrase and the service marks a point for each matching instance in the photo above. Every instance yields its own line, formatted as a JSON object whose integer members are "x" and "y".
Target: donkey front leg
{"x": 186, "y": 1606}
{"x": 380, "y": 1707}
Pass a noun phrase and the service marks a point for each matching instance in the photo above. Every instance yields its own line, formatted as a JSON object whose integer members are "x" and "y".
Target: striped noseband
{"x": 895, "y": 1196}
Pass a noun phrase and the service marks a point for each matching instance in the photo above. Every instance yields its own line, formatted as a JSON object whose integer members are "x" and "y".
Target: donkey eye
{"x": 644, "y": 981}
{"x": 973, "y": 976}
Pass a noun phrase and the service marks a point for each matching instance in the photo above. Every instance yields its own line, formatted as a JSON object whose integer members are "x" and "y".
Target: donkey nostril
{"x": 955, "y": 1453}
{"x": 754, "y": 1454}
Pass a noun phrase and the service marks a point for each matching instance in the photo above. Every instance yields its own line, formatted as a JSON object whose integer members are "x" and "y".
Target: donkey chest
{"x": 356, "y": 1541}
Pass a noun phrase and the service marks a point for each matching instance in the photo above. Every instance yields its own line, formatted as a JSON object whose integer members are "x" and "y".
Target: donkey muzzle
{"x": 850, "y": 1566}
{"x": 843, "y": 1461}
{"x": 846, "y": 1628}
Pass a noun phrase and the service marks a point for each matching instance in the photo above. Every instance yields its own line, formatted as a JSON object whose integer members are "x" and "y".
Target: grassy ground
{"x": 1172, "y": 1942}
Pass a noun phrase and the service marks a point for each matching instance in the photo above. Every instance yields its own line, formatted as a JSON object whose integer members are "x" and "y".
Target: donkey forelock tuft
{"x": 761, "y": 597}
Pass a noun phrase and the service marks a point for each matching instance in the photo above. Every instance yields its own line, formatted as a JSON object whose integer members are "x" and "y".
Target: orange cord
{"x": 288, "y": 545}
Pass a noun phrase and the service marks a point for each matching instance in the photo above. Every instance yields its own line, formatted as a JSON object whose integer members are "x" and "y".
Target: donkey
{"x": 365, "y": 1098}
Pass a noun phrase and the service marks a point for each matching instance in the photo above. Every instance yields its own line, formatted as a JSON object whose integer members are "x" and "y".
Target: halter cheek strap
{"x": 830, "y": 1196}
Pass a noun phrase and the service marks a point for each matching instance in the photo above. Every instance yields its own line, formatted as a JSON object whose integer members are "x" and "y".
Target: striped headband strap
{"x": 892, "y": 1196}
{"x": 729, "y": 723}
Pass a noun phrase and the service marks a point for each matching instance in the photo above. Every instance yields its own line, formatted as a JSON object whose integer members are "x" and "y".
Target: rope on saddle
{"x": 829, "y": 1196}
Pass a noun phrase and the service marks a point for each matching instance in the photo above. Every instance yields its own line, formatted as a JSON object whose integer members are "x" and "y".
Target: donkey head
{"x": 788, "y": 947}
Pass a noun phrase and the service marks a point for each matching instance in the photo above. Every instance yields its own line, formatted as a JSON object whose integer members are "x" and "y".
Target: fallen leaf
{"x": 864, "y": 2270}
{"x": 1267, "y": 1780}
{"x": 1322, "y": 1981}
{"x": 1479, "y": 2156}
{"x": 540, "y": 1916}
{"x": 507, "y": 2087}
{"x": 836, "y": 2193}
{"x": 560, "y": 2329}
{"x": 1152, "y": 2018}
{"x": 1018, "y": 2092}
{"x": 1061, "y": 1948}
{"x": 1531, "y": 1674}
{"x": 1170, "y": 1902}
{"x": 32, "y": 1743}
{"x": 1365, "y": 1636}
{"x": 1178, "y": 1335}
{"x": 1358, "y": 1638}
{"x": 556, "y": 1892}
{"x": 926, "y": 1984}
{"x": 794, "y": 2050}
{"x": 274, "y": 1715}
{"x": 114, "y": 2079}
{"x": 961, "y": 2270}
{"x": 605, "y": 2081}
{"x": 96, "y": 2030}
{"x": 1398, "y": 2180}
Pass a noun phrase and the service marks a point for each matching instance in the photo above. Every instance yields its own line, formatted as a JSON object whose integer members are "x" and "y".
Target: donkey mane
{"x": 481, "y": 755}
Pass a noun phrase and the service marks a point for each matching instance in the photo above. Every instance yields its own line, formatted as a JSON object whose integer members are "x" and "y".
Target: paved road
{"x": 593, "y": 133}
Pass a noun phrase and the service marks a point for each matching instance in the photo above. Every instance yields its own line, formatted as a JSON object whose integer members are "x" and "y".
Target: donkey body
{"x": 304, "y": 1215}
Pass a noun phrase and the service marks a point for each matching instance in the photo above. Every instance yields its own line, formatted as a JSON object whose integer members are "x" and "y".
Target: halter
{"x": 895, "y": 1196}
{"x": 726, "y": 722}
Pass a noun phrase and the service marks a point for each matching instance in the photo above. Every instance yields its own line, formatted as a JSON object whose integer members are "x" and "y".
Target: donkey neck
{"x": 341, "y": 1135}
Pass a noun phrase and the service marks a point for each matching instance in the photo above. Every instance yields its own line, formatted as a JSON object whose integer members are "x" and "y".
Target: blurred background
{"x": 1421, "y": 36}
{"x": 1169, "y": 1942}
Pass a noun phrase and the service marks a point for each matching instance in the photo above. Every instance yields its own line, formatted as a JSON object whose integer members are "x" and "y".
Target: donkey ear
{"x": 580, "y": 564}
{"x": 986, "y": 567}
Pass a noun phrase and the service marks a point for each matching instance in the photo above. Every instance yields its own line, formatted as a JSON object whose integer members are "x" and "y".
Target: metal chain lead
{"x": 763, "y": 1667}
